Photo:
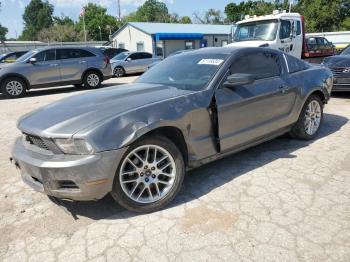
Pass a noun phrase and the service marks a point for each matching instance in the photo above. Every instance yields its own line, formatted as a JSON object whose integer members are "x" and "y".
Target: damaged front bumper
{"x": 74, "y": 177}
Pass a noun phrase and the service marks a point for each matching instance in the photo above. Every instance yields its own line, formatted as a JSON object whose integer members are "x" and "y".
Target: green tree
{"x": 37, "y": 16}
{"x": 96, "y": 19}
{"x": 211, "y": 16}
{"x": 185, "y": 20}
{"x": 62, "y": 20}
{"x": 324, "y": 15}
{"x": 3, "y": 30}
{"x": 235, "y": 12}
{"x": 151, "y": 11}
{"x": 60, "y": 33}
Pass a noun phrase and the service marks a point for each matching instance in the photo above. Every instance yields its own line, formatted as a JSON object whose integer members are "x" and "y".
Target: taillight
{"x": 107, "y": 60}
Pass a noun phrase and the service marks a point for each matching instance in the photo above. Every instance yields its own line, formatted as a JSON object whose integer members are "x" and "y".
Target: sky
{"x": 12, "y": 10}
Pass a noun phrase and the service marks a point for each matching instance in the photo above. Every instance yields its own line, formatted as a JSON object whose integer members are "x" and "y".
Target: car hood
{"x": 337, "y": 61}
{"x": 68, "y": 116}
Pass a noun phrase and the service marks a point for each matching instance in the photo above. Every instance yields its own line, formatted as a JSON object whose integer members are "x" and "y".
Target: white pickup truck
{"x": 280, "y": 30}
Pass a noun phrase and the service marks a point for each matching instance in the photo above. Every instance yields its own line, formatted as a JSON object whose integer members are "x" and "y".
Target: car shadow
{"x": 59, "y": 90}
{"x": 217, "y": 173}
{"x": 345, "y": 95}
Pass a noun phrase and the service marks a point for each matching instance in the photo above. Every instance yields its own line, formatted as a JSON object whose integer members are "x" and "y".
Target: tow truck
{"x": 280, "y": 30}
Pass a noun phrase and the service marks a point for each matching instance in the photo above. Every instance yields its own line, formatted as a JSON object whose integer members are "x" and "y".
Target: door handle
{"x": 283, "y": 89}
{"x": 82, "y": 62}
{"x": 54, "y": 65}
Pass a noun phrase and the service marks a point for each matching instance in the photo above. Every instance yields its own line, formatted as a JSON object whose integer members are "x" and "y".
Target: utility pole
{"x": 119, "y": 12}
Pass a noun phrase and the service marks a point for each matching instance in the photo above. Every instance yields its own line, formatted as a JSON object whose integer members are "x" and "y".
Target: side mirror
{"x": 239, "y": 80}
{"x": 129, "y": 59}
{"x": 32, "y": 60}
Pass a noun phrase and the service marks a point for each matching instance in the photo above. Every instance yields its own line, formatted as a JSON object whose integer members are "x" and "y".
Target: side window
{"x": 50, "y": 55}
{"x": 286, "y": 29}
{"x": 44, "y": 56}
{"x": 261, "y": 65}
{"x": 295, "y": 64}
{"x": 146, "y": 55}
{"x": 85, "y": 53}
{"x": 311, "y": 41}
{"x": 63, "y": 54}
{"x": 298, "y": 28}
{"x": 134, "y": 56}
{"x": 69, "y": 53}
{"x": 10, "y": 59}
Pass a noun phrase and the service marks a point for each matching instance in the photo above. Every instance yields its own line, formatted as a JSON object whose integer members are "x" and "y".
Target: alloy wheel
{"x": 93, "y": 80}
{"x": 118, "y": 72}
{"x": 14, "y": 88}
{"x": 147, "y": 174}
{"x": 313, "y": 117}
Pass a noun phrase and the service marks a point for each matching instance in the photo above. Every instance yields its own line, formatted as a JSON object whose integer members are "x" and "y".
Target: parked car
{"x": 317, "y": 48}
{"x": 135, "y": 141}
{"x": 132, "y": 62}
{"x": 48, "y": 67}
{"x": 11, "y": 56}
{"x": 340, "y": 66}
{"x": 111, "y": 51}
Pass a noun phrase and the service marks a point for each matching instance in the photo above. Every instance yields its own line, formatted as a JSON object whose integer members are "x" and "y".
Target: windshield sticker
{"x": 215, "y": 62}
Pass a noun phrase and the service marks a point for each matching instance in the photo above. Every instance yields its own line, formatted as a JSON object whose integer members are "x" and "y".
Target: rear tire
{"x": 92, "y": 79}
{"x": 310, "y": 119}
{"x": 119, "y": 71}
{"x": 148, "y": 183}
{"x": 13, "y": 87}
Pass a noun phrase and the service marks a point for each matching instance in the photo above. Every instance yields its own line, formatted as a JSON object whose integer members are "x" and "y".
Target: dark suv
{"x": 79, "y": 66}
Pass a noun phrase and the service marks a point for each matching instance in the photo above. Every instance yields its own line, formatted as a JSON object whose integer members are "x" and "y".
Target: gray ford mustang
{"x": 136, "y": 141}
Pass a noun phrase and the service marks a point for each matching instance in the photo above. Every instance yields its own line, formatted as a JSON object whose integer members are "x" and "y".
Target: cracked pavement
{"x": 284, "y": 200}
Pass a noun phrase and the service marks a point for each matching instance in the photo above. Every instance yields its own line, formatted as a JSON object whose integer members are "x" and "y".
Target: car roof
{"x": 65, "y": 47}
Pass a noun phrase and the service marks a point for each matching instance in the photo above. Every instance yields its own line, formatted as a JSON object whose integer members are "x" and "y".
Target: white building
{"x": 162, "y": 39}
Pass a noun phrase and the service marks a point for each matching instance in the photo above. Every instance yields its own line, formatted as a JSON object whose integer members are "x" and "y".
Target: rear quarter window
{"x": 295, "y": 64}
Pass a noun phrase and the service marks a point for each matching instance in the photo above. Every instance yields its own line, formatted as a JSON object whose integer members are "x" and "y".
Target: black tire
{"x": 119, "y": 71}
{"x": 125, "y": 201}
{"x": 19, "y": 87}
{"x": 299, "y": 130}
{"x": 92, "y": 79}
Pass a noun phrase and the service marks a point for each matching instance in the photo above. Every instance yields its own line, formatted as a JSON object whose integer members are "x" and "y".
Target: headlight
{"x": 74, "y": 146}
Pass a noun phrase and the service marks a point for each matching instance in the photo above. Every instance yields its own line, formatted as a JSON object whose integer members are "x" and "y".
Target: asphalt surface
{"x": 284, "y": 200}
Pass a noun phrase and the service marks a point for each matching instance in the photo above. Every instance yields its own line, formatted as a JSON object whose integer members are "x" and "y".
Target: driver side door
{"x": 249, "y": 112}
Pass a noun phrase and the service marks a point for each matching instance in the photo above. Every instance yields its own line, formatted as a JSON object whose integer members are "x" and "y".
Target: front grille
{"x": 337, "y": 71}
{"x": 42, "y": 143}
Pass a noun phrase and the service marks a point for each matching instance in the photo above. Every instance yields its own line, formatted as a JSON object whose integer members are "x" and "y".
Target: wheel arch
{"x": 175, "y": 135}
{"x": 26, "y": 81}
{"x": 91, "y": 69}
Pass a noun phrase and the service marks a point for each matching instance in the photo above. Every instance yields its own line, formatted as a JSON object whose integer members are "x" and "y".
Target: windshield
{"x": 189, "y": 71}
{"x": 121, "y": 56}
{"x": 346, "y": 51}
{"x": 260, "y": 30}
{"x": 24, "y": 57}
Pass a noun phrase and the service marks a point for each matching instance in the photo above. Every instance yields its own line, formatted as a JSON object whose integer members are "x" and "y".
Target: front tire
{"x": 119, "y": 71}
{"x": 92, "y": 79}
{"x": 13, "y": 87}
{"x": 149, "y": 176}
{"x": 310, "y": 119}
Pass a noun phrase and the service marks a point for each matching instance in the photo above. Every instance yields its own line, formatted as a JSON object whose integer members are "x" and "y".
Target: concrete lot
{"x": 284, "y": 200}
